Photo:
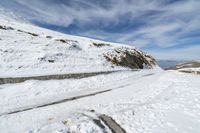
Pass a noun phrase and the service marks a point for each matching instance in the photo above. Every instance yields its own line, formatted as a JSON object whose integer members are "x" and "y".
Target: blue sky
{"x": 167, "y": 29}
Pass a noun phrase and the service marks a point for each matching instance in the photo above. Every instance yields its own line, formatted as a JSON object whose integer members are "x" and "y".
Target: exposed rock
{"x": 6, "y": 28}
{"x": 46, "y": 59}
{"x": 62, "y": 40}
{"x": 100, "y": 44}
{"x": 8, "y": 51}
{"x": 74, "y": 47}
{"x": 131, "y": 58}
{"x": 33, "y": 34}
{"x": 51, "y": 61}
{"x": 49, "y": 37}
{"x": 65, "y": 40}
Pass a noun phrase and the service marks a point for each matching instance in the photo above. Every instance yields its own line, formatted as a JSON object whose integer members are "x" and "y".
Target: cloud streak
{"x": 148, "y": 24}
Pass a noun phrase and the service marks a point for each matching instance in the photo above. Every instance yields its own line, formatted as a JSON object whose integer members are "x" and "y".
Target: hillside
{"x": 56, "y": 83}
{"x": 187, "y": 67}
{"x": 27, "y": 50}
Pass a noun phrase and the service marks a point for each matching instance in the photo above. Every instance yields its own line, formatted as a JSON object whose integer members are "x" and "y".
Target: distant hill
{"x": 168, "y": 63}
{"x": 187, "y": 67}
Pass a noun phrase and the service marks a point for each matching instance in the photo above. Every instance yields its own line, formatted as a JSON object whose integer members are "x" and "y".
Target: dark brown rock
{"x": 6, "y": 28}
{"x": 100, "y": 44}
{"x": 130, "y": 58}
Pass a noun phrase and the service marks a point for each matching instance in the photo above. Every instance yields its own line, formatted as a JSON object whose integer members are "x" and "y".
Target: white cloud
{"x": 164, "y": 25}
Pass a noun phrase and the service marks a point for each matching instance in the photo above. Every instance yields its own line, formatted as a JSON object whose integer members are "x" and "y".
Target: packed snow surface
{"x": 141, "y": 102}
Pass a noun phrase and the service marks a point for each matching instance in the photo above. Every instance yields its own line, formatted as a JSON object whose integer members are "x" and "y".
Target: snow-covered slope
{"x": 132, "y": 101}
{"x": 28, "y": 50}
{"x": 188, "y": 67}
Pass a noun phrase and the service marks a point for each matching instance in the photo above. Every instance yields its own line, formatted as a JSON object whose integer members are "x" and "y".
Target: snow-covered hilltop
{"x": 28, "y": 50}
{"x": 188, "y": 67}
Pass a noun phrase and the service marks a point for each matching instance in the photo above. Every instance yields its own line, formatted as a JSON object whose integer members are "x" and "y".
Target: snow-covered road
{"x": 143, "y": 101}
{"x": 56, "y": 91}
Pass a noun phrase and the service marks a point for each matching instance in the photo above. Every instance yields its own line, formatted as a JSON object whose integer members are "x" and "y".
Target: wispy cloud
{"x": 185, "y": 53}
{"x": 148, "y": 24}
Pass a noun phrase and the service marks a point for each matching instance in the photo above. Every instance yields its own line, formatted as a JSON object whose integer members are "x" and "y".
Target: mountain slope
{"x": 52, "y": 82}
{"x": 27, "y": 50}
{"x": 188, "y": 67}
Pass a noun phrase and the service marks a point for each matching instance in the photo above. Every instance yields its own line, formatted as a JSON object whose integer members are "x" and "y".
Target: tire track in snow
{"x": 66, "y": 100}
{"x": 57, "y": 102}
{"x": 61, "y": 101}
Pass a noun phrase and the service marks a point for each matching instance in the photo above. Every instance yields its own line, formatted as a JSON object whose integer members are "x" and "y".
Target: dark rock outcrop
{"x": 6, "y": 28}
{"x": 131, "y": 58}
{"x": 100, "y": 44}
{"x": 33, "y": 34}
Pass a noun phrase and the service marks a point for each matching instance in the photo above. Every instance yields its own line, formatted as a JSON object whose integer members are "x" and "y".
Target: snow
{"x": 190, "y": 67}
{"x": 192, "y": 70}
{"x": 144, "y": 101}
{"x": 32, "y": 93}
{"x": 140, "y": 102}
{"x": 22, "y": 54}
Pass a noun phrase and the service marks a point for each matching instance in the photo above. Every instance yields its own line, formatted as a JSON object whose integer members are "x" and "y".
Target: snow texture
{"x": 145, "y": 101}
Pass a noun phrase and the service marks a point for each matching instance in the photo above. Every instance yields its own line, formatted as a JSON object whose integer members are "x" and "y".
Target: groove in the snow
{"x": 61, "y": 101}
{"x": 57, "y": 102}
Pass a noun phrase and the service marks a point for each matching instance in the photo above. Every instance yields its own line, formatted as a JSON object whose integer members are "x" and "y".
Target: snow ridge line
{"x": 10, "y": 80}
